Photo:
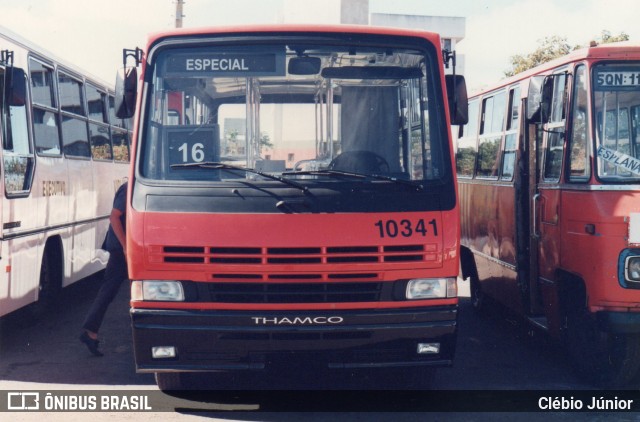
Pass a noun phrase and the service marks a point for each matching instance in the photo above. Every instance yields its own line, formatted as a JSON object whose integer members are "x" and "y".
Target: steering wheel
{"x": 360, "y": 161}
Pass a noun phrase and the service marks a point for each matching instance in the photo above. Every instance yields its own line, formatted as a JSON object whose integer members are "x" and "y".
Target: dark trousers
{"x": 114, "y": 275}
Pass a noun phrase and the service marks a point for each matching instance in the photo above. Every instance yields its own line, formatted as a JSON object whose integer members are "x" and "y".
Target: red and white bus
{"x": 63, "y": 154}
{"x": 293, "y": 196}
{"x": 549, "y": 178}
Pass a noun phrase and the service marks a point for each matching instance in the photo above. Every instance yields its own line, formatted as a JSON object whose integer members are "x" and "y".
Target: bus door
{"x": 546, "y": 146}
{"x": 16, "y": 150}
{"x": 18, "y": 165}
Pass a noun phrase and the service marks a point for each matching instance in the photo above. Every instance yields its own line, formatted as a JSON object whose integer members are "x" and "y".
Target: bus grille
{"x": 294, "y": 292}
{"x": 297, "y": 255}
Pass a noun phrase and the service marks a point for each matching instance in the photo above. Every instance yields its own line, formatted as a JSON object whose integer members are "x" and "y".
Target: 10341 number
{"x": 406, "y": 228}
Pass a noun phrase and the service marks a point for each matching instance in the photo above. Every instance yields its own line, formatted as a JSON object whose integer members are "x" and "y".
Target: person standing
{"x": 115, "y": 272}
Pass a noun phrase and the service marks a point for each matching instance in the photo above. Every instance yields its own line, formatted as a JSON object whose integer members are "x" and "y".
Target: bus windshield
{"x": 304, "y": 110}
{"x": 617, "y": 116}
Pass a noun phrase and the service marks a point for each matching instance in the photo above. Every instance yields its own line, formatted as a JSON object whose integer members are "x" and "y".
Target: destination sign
{"x": 226, "y": 64}
{"x": 613, "y": 80}
{"x": 619, "y": 159}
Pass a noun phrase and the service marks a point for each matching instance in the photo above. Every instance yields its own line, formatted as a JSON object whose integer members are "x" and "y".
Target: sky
{"x": 92, "y": 33}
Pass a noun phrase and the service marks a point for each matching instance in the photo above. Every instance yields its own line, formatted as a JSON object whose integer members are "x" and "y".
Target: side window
{"x": 120, "y": 145}
{"x": 554, "y": 148}
{"x": 99, "y": 136}
{"x": 491, "y": 129}
{"x": 511, "y": 135}
{"x": 120, "y": 134}
{"x": 96, "y": 104}
{"x": 467, "y": 146}
{"x": 17, "y": 155}
{"x": 580, "y": 164}
{"x": 75, "y": 139}
{"x": 45, "y": 117}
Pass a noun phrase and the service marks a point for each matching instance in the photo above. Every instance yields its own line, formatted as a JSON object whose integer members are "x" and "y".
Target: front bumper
{"x": 237, "y": 340}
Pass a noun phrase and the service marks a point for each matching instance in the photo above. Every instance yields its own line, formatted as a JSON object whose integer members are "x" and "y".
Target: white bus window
{"x": 120, "y": 145}
{"x": 96, "y": 103}
{"x": 45, "y": 117}
{"x": 100, "y": 142}
{"x": 74, "y": 137}
{"x": 42, "y": 91}
{"x": 45, "y": 131}
{"x": 70, "y": 91}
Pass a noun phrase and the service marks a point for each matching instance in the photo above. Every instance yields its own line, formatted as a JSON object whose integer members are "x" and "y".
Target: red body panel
{"x": 438, "y": 254}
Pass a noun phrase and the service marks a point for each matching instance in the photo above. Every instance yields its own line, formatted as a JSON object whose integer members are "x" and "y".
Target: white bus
{"x": 63, "y": 155}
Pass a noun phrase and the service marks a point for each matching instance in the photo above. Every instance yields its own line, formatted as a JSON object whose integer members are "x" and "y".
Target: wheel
{"x": 360, "y": 162}
{"x": 169, "y": 381}
{"x": 607, "y": 359}
{"x": 479, "y": 300}
{"x": 49, "y": 286}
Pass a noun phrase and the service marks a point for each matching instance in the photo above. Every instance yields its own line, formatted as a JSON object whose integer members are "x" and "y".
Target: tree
{"x": 606, "y": 37}
{"x": 265, "y": 141}
{"x": 549, "y": 49}
{"x": 553, "y": 47}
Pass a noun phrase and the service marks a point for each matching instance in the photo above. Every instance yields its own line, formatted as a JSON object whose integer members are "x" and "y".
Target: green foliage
{"x": 553, "y": 47}
{"x": 549, "y": 49}
{"x": 265, "y": 141}
{"x": 606, "y": 37}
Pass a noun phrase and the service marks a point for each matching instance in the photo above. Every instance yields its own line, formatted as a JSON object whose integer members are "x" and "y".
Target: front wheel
{"x": 607, "y": 359}
{"x": 479, "y": 299}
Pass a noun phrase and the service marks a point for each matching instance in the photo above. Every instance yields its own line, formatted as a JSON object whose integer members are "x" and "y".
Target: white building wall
{"x": 452, "y": 28}
{"x": 357, "y": 12}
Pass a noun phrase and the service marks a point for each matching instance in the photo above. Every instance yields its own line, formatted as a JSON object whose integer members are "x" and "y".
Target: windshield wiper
{"x": 215, "y": 165}
{"x": 341, "y": 173}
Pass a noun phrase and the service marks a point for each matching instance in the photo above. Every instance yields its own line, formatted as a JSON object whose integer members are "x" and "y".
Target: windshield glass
{"x": 617, "y": 114}
{"x": 294, "y": 110}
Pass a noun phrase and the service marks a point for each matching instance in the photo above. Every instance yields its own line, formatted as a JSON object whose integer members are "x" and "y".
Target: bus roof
{"x": 612, "y": 51}
{"x": 15, "y": 38}
{"x": 292, "y": 28}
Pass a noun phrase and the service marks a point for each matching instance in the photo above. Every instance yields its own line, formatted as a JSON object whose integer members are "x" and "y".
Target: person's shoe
{"x": 92, "y": 344}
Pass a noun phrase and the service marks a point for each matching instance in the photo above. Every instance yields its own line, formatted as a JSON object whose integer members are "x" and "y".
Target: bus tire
{"x": 607, "y": 359}
{"x": 50, "y": 284}
{"x": 169, "y": 381}
{"x": 479, "y": 300}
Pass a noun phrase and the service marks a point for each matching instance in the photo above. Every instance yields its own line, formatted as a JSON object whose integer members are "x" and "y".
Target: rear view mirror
{"x": 16, "y": 83}
{"x": 304, "y": 65}
{"x": 458, "y": 100}
{"x": 126, "y": 91}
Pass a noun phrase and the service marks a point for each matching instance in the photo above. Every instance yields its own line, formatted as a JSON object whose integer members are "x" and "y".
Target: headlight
{"x": 157, "y": 290}
{"x": 432, "y": 288}
{"x": 632, "y": 268}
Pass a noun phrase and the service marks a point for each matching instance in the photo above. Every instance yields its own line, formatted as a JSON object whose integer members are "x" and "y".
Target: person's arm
{"x": 118, "y": 229}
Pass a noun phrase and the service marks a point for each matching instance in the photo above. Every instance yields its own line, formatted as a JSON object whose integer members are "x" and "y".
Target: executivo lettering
{"x": 298, "y": 320}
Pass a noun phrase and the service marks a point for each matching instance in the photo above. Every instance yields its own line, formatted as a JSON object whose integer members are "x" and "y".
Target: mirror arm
{"x": 6, "y": 58}
{"x": 450, "y": 57}
{"x": 135, "y": 53}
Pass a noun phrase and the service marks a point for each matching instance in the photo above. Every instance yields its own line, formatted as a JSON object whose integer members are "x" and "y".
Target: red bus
{"x": 299, "y": 205}
{"x": 548, "y": 172}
